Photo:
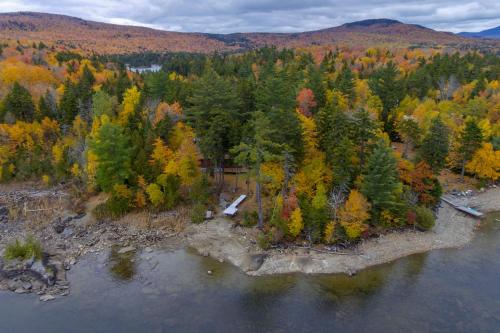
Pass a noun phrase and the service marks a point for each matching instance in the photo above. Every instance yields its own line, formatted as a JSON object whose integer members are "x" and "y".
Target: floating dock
{"x": 464, "y": 209}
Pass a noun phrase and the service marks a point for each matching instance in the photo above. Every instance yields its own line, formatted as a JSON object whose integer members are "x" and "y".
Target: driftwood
{"x": 328, "y": 251}
{"x": 316, "y": 250}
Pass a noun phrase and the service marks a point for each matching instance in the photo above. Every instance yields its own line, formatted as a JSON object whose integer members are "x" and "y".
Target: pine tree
{"x": 333, "y": 126}
{"x": 469, "y": 141}
{"x": 114, "y": 156}
{"x": 261, "y": 149}
{"x": 43, "y": 108}
{"x": 84, "y": 93}
{"x": 363, "y": 132}
{"x": 214, "y": 116}
{"x": 19, "y": 103}
{"x": 435, "y": 146}
{"x": 342, "y": 161}
{"x": 276, "y": 98}
{"x": 315, "y": 83}
{"x": 345, "y": 83}
{"x": 381, "y": 184}
{"x": 68, "y": 105}
{"x": 385, "y": 84}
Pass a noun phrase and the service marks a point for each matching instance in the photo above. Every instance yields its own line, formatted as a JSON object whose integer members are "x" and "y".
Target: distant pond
{"x": 456, "y": 290}
{"x": 152, "y": 68}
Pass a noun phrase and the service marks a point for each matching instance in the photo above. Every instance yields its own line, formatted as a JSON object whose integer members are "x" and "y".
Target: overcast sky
{"x": 223, "y": 16}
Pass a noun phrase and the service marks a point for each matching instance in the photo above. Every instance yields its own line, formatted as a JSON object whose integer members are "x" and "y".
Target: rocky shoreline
{"x": 66, "y": 238}
{"x": 220, "y": 240}
{"x": 69, "y": 237}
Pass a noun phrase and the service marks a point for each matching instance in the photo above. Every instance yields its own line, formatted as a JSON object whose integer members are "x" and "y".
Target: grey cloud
{"x": 224, "y": 16}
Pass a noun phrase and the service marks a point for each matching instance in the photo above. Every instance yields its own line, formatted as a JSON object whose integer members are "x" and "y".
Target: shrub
{"x": 200, "y": 190}
{"x": 113, "y": 208}
{"x": 425, "y": 218}
{"x": 170, "y": 185}
{"x": 155, "y": 194}
{"x": 264, "y": 240}
{"x": 250, "y": 219}
{"x": 18, "y": 250}
{"x": 354, "y": 231}
{"x": 198, "y": 213}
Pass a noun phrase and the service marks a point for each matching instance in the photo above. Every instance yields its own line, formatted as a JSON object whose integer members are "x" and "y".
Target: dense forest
{"x": 337, "y": 145}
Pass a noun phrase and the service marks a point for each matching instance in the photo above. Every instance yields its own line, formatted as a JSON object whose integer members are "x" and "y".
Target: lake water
{"x": 455, "y": 290}
{"x": 152, "y": 68}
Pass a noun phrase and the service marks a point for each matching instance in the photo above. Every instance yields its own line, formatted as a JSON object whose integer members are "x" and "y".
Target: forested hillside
{"x": 102, "y": 38}
{"x": 314, "y": 130}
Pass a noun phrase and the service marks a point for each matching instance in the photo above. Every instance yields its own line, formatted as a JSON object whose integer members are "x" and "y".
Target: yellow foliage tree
{"x": 91, "y": 168}
{"x": 296, "y": 223}
{"x": 155, "y": 194}
{"x": 140, "y": 199}
{"x": 131, "y": 99}
{"x": 485, "y": 163}
{"x": 184, "y": 162}
{"x": 312, "y": 174}
{"x": 273, "y": 175}
{"x": 353, "y": 214}
{"x": 330, "y": 231}
{"x": 161, "y": 153}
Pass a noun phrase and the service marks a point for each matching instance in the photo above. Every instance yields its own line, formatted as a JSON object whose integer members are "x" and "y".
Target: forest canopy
{"x": 316, "y": 131}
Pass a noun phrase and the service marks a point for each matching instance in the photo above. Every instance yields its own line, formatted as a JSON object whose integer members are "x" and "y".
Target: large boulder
{"x": 46, "y": 273}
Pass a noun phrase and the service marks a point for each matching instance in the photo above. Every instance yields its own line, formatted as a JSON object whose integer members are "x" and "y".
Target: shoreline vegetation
{"x": 453, "y": 229}
{"x": 65, "y": 243}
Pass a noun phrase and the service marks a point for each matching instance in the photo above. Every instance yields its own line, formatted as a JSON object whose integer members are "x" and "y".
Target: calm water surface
{"x": 456, "y": 290}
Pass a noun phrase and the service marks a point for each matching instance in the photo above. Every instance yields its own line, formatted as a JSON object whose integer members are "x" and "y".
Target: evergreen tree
{"x": 84, "y": 93}
{"x": 316, "y": 214}
{"x": 385, "y": 84}
{"x": 114, "y": 156}
{"x": 419, "y": 82}
{"x": 260, "y": 149}
{"x": 68, "y": 105}
{"x": 333, "y": 126}
{"x": 19, "y": 103}
{"x": 343, "y": 156}
{"x": 315, "y": 83}
{"x": 214, "y": 116}
{"x": 363, "y": 132}
{"x": 479, "y": 86}
{"x": 381, "y": 180}
{"x": 469, "y": 141}
{"x": 43, "y": 108}
{"x": 435, "y": 146}
{"x": 276, "y": 98}
{"x": 345, "y": 83}
{"x": 155, "y": 85}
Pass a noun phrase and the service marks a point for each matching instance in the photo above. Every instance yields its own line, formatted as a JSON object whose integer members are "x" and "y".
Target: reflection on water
{"x": 122, "y": 265}
{"x": 455, "y": 290}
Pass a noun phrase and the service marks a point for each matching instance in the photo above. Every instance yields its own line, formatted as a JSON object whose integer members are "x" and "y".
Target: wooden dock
{"x": 462, "y": 208}
{"x": 231, "y": 210}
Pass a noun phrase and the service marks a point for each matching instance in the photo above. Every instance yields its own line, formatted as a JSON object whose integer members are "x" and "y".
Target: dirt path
{"x": 220, "y": 240}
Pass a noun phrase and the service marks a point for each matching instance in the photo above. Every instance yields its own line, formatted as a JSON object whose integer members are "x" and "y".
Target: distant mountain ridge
{"x": 110, "y": 38}
{"x": 489, "y": 33}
